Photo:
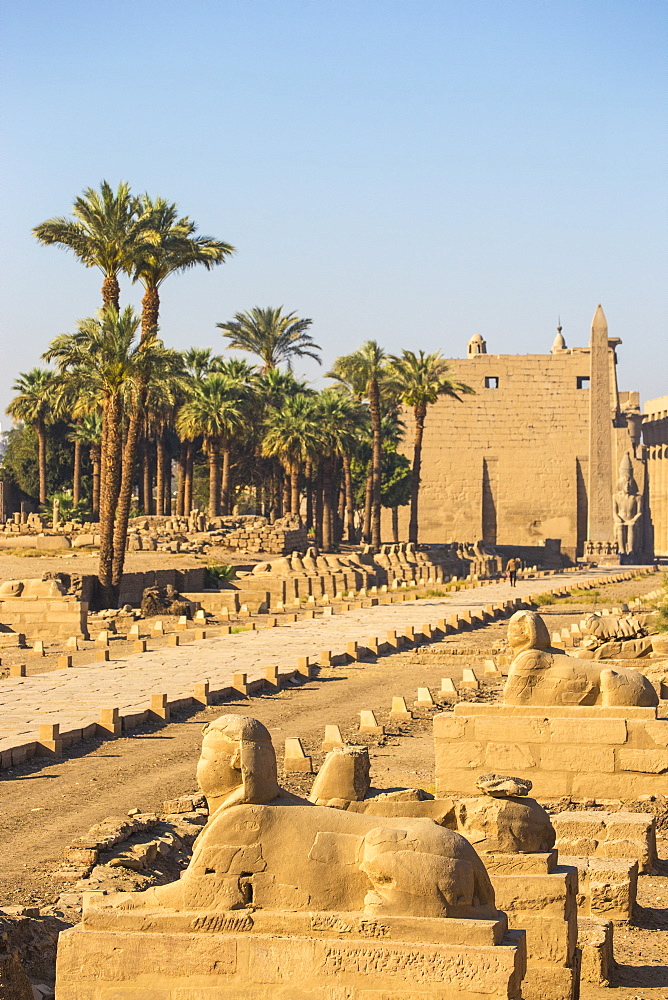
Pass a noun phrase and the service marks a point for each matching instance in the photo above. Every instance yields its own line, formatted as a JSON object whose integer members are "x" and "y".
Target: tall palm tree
{"x": 340, "y": 422}
{"x": 292, "y": 434}
{"x": 213, "y": 412}
{"x": 104, "y": 357}
{"x": 271, "y": 336}
{"x": 419, "y": 379}
{"x": 168, "y": 244}
{"x": 36, "y": 405}
{"x": 103, "y": 233}
{"x": 364, "y": 374}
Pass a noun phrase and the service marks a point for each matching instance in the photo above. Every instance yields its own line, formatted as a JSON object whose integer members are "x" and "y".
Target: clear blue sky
{"x": 413, "y": 171}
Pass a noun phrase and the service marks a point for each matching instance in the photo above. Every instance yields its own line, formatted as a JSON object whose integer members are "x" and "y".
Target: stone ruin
{"x": 288, "y": 899}
{"x": 50, "y": 605}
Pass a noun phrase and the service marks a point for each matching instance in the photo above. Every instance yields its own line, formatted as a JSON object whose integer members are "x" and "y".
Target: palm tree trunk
{"x": 95, "y": 452}
{"x": 188, "y": 482}
{"x": 150, "y": 309}
{"x": 308, "y": 481}
{"x": 319, "y": 506}
{"x": 125, "y": 493}
{"x": 148, "y": 476}
{"x": 395, "y": 525}
{"x": 111, "y": 291}
{"x": 327, "y": 505}
{"x": 76, "y": 473}
{"x": 350, "y": 500}
{"x": 294, "y": 488}
{"x": 420, "y": 414}
{"x": 168, "y": 482}
{"x": 160, "y": 473}
{"x": 214, "y": 478}
{"x": 41, "y": 453}
{"x": 225, "y": 496}
{"x": 374, "y": 408}
{"x": 287, "y": 506}
{"x": 181, "y": 480}
{"x": 109, "y": 490}
{"x": 368, "y": 503}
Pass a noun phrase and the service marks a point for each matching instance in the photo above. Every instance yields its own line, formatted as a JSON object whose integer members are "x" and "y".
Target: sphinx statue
{"x": 48, "y": 585}
{"x": 627, "y": 510}
{"x": 542, "y": 675}
{"x": 266, "y": 848}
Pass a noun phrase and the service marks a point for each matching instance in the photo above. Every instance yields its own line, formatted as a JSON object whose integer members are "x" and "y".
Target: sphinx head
{"x": 237, "y": 763}
{"x": 527, "y": 630}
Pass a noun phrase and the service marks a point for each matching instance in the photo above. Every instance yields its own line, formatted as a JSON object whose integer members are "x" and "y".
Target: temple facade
{"x": 655, "y": 438}
{"x": 547, "y": 448}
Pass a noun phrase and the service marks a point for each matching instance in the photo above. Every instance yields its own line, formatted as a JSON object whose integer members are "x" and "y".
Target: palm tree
{"x": 271, "y": 336}
{"x": 213, "y": 411}
{"x": 292, "y": 434}
{"x": 103, "y": 234}
{"x": 167, "y": 245}
{"x": 340, "y": 422}
{"x": 104, "y": 358}
{"x": 363, "y": 373}
{"x": 419, "y": 379}
{"x": 36, "y": 405}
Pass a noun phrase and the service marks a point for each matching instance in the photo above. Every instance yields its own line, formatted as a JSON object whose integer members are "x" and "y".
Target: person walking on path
{"x": 512, "y": 567}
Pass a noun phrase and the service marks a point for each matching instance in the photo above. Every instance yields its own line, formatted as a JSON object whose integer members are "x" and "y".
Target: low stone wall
{"x": 45, "y": 617}
{"x": 584, "y": 752}
{"x": 596, "y": 834}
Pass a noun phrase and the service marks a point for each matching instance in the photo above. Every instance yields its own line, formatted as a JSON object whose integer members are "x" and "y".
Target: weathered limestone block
{"x": 607, "y": 888}
{"x": 608, "y": 835}
{"x": 595, "y": 943}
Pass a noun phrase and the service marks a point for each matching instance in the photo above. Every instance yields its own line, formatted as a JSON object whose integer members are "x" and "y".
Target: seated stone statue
{"x": 543, "y": 675}
{"x": 47, "y": 586}
{"x": 265, "y": 848}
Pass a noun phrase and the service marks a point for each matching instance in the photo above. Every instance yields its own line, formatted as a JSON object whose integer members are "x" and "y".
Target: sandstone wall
{"x": 655, "y": 437}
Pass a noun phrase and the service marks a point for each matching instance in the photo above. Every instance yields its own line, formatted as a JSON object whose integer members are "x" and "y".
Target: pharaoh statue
{"x": 627, "y": 509}
{"x": 268, "y": 849}
{"x": 542, "y": 675}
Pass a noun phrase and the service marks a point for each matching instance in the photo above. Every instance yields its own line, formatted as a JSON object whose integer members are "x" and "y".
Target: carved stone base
{"x": 271, "y": 955}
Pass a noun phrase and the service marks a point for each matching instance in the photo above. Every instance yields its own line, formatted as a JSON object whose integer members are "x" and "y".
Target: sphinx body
{"x": 543, "y": 675}
{"x": 266, "y": 848}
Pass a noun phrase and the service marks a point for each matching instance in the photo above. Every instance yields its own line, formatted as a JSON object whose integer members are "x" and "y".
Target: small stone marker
{"x": 295, "y": 760}
{"x": 174, "y": 640}
{"x": 159, "y": 707}
{"x": 102, "y": 655}
{"x": 491, "y": 669}
{"x": 352, "y": 651}
{"x": 426, "y": 630}
{"x": 182, "y": 623}
{"x": 369, "y": 723}
{"x": 201, "y": 693}
{"x": 399, "y": 708}
{"x": 448, "y": 689}
{"x": 391, "y": 640}
{"x": 271, "y": 678}
{"x": 240, "y": 684}
{"x": 409, "y": 633}
{"x": 424, "y": 698}
{"x": 102, "y": 637}
{"x": 49, "y": 737}
{"x": 38, "y": 647}
{"x": 325, "y": 658}
{"x": 73, "y": 642}
{"x": 304, "y": 667}
{"x": 469, "y": 679}
{"x": 17, "y": 670}
{"x": 224, "y": 614}
{"x": 328, "y": 611}
{"x": 332, "y": 739}
{"x": 159, "y": 627}
{"x": 64, "y": 662}
{"x": 200, "y": 615}
{"x": 139, "y": 646}
{"x": 200, "y": 633}
{"x": 271, "y": 622}
{"x": 371, "y": 645}
{"x": 110, "y": 721}
{"x": 133, "y": 632}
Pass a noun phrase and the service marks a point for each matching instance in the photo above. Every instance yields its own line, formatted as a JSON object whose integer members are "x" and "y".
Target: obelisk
{"x": 600, "y": 527}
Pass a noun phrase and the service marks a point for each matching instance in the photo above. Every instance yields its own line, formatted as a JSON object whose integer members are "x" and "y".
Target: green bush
{"x": 217, "y": 573}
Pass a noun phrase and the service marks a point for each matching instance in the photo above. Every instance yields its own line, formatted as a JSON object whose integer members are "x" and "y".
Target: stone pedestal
{"x": 581, "y": 751}
{"x": 272, "y": 955}
{"x": 539, "y": 896}
{"x": 45, "y": 617}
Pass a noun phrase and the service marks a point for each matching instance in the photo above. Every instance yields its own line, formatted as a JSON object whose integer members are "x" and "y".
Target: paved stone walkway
{"x": 73, "y": 698}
